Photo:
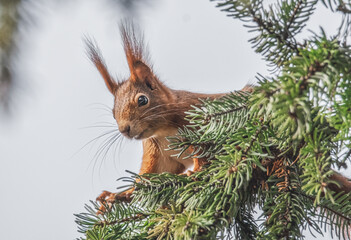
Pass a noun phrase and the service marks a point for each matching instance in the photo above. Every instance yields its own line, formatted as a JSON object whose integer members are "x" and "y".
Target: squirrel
{"x": 147, "y": 110}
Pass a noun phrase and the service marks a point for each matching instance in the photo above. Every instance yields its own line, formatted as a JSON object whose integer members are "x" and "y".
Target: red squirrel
{"x": 146, "y": 109}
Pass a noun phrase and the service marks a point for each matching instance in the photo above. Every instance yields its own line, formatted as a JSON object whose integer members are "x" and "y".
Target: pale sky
{"x": 46, "y": 176}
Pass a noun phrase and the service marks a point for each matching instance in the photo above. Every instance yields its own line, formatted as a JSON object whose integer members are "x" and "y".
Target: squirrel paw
{"x": 106, "y": 199}
{"x": 187, "y": 173}
{"x": 125, "y": 196}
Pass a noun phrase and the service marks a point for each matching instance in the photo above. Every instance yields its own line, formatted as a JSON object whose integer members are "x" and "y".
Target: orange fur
{"x": 95, "y": 57}
{"x": 343, "y": 183}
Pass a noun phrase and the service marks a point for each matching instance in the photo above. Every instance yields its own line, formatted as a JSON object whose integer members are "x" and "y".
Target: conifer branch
{"x": 138, "y": 216}
{"x": 282, "y": 37}
{"x": 273, "y": 149}
{"x": 217, "y": 114}
{"x": 342, "y": 8}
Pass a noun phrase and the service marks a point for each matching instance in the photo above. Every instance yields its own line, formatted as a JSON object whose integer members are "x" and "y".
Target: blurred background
{"x": 55, "y": 111}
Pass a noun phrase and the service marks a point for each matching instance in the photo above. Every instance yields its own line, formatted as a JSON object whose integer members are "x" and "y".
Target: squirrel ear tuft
{"x": 94, "y": 54}
{"x": 137, "y": 54}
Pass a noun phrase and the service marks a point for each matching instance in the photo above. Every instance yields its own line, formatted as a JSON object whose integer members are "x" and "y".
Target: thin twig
{"x": 138, "y": 216}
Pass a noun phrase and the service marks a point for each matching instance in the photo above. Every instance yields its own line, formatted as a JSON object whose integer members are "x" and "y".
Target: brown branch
{"x": 315, "y": 67}
{"x": 342, "y": 8}
{"x": 265, "y": 26}
{"x": 293, "y": 16}
{"x": 258, "y": 131}
{"x": 208, "y": 117}
{"x": 328, "y": 208}
{"x": 138, "y": 216}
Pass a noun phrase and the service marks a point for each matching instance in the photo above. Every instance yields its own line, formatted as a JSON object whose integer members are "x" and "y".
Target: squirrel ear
{"x": 142, "y": 73}
{"x": 94, "y": 54}
{"x": 137, "y": 54}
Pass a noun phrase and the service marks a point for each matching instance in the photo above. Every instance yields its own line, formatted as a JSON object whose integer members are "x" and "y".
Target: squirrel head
{"x": 143, "y": 104}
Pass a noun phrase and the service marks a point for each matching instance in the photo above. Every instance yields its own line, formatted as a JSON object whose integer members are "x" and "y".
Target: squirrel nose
{"x": 124, "y": 129}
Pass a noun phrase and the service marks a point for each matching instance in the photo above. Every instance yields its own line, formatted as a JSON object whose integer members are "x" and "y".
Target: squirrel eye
{"x": 142, "y": 100}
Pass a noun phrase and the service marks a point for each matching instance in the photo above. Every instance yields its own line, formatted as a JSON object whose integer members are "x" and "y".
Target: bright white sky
{"x": 45, "y": 174}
